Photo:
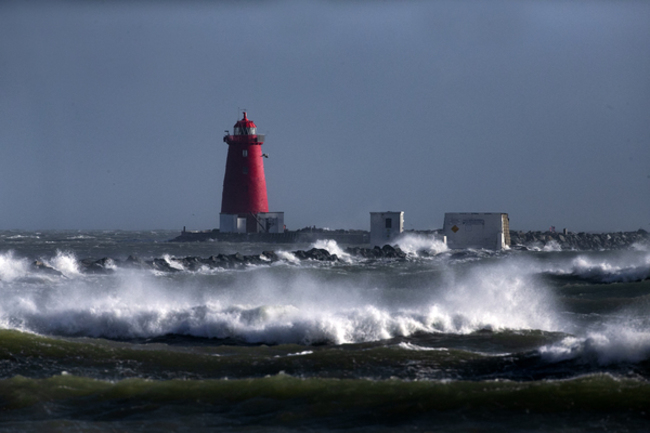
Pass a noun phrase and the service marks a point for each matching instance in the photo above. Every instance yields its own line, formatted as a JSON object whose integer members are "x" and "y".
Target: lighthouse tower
{"x": 244, "y": 203}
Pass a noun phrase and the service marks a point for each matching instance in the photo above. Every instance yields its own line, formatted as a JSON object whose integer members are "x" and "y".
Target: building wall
{"x": 263, "y": 222}
{"x": 231, "y": 223}
{"x": 271, "y": 222}
{"x": 385, "y": 226}
{"x": 477, "y": 230}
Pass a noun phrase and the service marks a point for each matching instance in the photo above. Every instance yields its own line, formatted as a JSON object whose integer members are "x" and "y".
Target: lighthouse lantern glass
{"x": 245, "y": 131}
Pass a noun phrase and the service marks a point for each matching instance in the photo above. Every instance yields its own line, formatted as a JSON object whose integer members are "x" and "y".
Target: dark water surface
{"x": 443, "y": 341}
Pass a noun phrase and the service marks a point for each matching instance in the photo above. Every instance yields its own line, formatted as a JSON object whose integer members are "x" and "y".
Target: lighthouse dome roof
{"x": 245, "y": 126}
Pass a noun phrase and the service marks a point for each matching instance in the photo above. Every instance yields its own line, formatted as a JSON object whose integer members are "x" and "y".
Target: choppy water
{"x": 443, "y": 341}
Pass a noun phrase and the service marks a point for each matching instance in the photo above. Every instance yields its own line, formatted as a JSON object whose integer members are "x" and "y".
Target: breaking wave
{"x": 312, "y": 304}
{"x": 11, "y": 267}
{"x": 66, "y": 263}
{"x": 606, "y": 269}
{"x": 272, "y": 305}
{"x": 333, "y": 248}
{"x": 413, "y": 244}
{"x": 616, "y": 342}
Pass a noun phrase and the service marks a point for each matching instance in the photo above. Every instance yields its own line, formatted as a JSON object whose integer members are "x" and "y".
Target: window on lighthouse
{"x": 245, "y": 170}
{"x": 244, "y": 153}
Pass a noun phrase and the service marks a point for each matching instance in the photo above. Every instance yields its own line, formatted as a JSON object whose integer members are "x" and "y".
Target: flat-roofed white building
{"x": 385, "y": 226}
{"x": 487, "y": 230}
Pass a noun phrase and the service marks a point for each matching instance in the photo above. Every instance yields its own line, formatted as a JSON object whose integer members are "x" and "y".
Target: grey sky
{"x": 112, "y": 113}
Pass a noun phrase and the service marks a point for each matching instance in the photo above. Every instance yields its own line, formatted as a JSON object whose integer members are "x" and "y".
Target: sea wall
{"x": 108, "y": 265}
{"x": 578, "y": 241}
{"x": 518, "y": 239}
{"x": 350, "y": 237}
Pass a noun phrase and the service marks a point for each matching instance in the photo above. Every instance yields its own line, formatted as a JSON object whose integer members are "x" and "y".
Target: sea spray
{"x": 500, "y": 295}
{"x": 66, "y": 263}
{"x": 413, "y": 243}
{"x": 333, "y": 248}
{"x": 602, "y": 267}
{"x": 12, "y": 267}
{"x": 624, "y": 338}
{"x": 286, "y": 305}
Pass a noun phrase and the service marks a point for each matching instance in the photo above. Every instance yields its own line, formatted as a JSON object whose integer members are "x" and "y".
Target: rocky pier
{"x": 108, "y": 265}
{"x": 519, "y": 241}
{"x": 578, "y": 241}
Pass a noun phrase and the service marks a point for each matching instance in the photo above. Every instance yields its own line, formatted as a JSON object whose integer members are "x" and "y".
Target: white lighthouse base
{"x": 263, "y": 222}
{"x": 232, "y": 223}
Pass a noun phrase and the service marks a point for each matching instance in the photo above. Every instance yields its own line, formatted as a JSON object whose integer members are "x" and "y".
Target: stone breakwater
{"x": 578, "y": 241}
{"x": 108, "y": 265}
{"x": 519, "y": 240}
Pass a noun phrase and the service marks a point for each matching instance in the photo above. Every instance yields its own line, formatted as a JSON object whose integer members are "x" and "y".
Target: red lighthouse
{"x": 244, "y": 203}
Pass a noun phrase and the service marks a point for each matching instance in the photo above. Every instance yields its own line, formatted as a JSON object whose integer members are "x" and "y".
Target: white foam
{"x": 552, "y": 245}
{"x": 24, "y": 237}
{"x": 174, "y": 264}
{"x": 287, "y": 256}
{"x": 332, "y": 247}
{"x": 416, "y": 348}
{"x": 11, "y": 267}
{"x": 607, "y": 269}
{"x": 304, "y": 352}
{"x": 280, "y": 305}
{"x": 411, "y": 243}
{"x": 66, "y": 263}
{"x": 614, "y": 343}
{"x": 504, "y": 295}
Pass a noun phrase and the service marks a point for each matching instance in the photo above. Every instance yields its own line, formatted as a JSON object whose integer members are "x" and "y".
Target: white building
{"x": 385, "y": 226}
{"x": 263, "y": 222}
{"x": 477, "y": 230}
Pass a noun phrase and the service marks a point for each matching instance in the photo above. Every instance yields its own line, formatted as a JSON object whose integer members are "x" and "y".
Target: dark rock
{"x": 192, "y": 263}
{"x": 101, "y": 266}
{"x": 393, "y": 252}
{"x": 270, "y": 255}
{"x": 318, "y": 254}
{"x": 162, "y": 265}
{"x": 135, "y": 262}
{"x": 45, "y": 269}
{"x": 253, "y": 260}
{"x": 218, "y": 261}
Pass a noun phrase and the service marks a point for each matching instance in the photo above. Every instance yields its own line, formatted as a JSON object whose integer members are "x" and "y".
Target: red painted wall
{"x": 244, "y": 184}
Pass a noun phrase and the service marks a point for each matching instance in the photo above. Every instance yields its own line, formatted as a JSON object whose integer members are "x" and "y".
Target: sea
{"x": 520, "y": 340}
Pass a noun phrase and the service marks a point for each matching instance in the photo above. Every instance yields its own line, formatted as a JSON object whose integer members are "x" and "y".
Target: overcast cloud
{"x": 112, "y": 113}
